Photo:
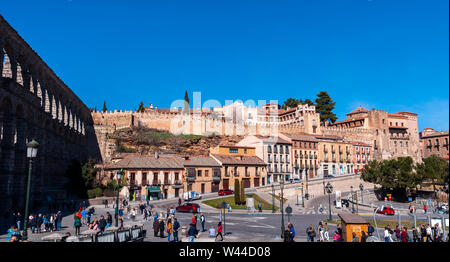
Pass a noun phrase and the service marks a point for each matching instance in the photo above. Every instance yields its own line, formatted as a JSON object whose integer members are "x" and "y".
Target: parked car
{"x": 224, "y": 192}
{"x": 442, "y": 209}
{"x": 295, "y": 180}
{"x": 192, "y": 195}
{"x": 385, "y": 210}
{"x": 189, "y": 207}
{"x": 344, "y": 202}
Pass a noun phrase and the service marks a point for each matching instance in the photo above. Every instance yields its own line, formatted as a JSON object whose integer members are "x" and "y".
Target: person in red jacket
{"x": 194, "y": 221}
{"x": 219, "y": 230}
{"x": 405, "y": 236}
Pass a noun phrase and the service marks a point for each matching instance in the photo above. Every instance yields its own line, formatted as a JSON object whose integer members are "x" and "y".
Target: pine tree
{"x": 104, "y": 107}
{"x": 325, "y": 106}
{"x": 237, "y": 195}
{"x": 243, "y": 194}
{"x": 141, "y": 107}
{"x": 186, "y": 97}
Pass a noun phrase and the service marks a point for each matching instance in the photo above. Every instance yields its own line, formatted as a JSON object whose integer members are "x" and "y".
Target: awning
{"x": 154, "y": 190}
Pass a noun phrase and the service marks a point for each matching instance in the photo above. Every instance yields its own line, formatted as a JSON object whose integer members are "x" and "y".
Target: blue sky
{"x": 384, "y": 54}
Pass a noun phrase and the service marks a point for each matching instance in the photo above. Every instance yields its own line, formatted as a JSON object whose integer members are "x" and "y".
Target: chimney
{"x": 156, "y": 155}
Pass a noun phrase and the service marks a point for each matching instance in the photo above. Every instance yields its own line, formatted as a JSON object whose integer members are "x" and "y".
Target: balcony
{"x": 236, "y": 174}
{"x": 315, "y": 157}
{"x": 429, "y": 146}
{"x": 333, "y": 159}
{"x": 247, "y": 174}
{"x": 190, "y": 179}
{"x": 325, "y": 150}
{"x": 156, "y": 182}
{"x": 216, "y": 179}
{"x": 301, "y": 156}
{"x": 177, "y": 184}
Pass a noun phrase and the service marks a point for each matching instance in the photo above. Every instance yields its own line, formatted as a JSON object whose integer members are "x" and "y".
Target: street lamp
{"x": 353, "y": 199}
{"x": 273, "y": 198}
{"x": 281, "y": 206}
{"x": 31, "y": 153}
{"x": 362, "y": 188}
{"x": 119, "y": 178}
{"x": 329, "y": 189}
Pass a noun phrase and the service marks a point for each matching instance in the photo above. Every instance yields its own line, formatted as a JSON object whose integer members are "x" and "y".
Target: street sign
{"x": 289, "y": 210}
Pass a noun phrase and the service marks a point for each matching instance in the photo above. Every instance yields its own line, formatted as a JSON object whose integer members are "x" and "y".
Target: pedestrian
{"x": 425, "y": 209}
{"x": 397, "y": 234}
{"x": 336, "y": 236}
{"x": 202, "y": 220}
{"x": 108, "y": 220}
{"x": 437, "y": 234}
{"x": 161, "y": 228}
{"x": 106, "y": 203}
{"x": 45, "y": 219}
{"x": 320, "y": 230}
{"x": 194, "y": 221}
{"x": 415, "y": 235}
{"x": 387, "y": 234}
{"x": 370, "y": 229}
{"x": 310, "y": 233}
{"x": 229, "y": 207}
{"x": 84, "y": 216}
{"x": 176, "y": 226}
{"x": 156, "y": 226}
{"x": 286, "y": 235}
{"x": 60, "y": 219}
{"x": 192, "y": 233}
{"x": 133, "y": 214}
{"x": 326, "y": 234}
{"x": 102, "y": 223}
{"x": 292, "y": 231}
{"x": 18, "y": 221}
{"x": 51, "y": 222}
{"x": 405, "y": 236}
{"x": 429, "y": 234}
{"x": 219, "y": 231}
{"x": 76, "y": 224}
{"x": 39, "y": 221}
{"x": 259, "y": 207}
{"x": 12, "y": 231}
{"x": 423, "y": 233}
{"x": 363, "y": 236}
{"x": 169, "y": 229}
{"x": 355, "y": 237}
{"x": 179, "y": 201}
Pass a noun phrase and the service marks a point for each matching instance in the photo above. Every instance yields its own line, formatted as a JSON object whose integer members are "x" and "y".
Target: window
{"x": 401, "y": 144}
{"x": 395, "y": 143}
{"x": 206, "y": 173}
{"x": 269, "y": 149}
{"x": 144, "y": 178}
{"x": 402, "y": 124}
{"x": 176, "y": 176}
{"x": 233, "y": 150}
{"x": 287, "y": 150}
{"x": 383, "y": 121}
{"x": 281, "y": 149}
{"x": 199, "y": 173}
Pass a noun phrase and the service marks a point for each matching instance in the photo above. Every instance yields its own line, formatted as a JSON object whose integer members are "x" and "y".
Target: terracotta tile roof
{"x": 396, "y": 115}
{"x": 239, "y": 160}
{"x": 283, "y": 112}
{"x": 273, "y": 139}
{"x": 201, "y": 161}
{"x": 399, "y": 127}
{"x": 406, "y": 113}
{"x": 359, "y": 143}
{"x": 347, "y": 121}
{"x": 350, "y": 218}
{"x": 148, "y": 162}
{"x": 301, "y": 137}
{"x": 359, "y": 110}
{"x": 435, "y": 134}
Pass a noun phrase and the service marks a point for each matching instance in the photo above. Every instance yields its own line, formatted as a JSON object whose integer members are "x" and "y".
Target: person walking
{"x": 311, "y": 233}
{"x": 176, "y": 226}
{"x": 179, "y": 201}
{"x": 202, "y": 221}
{"x": 84, "y": 216}
{"x": 102, "y": 223}
{"x": 423, "y": 233}
{"x": 194, "y": 221}
{"x": 397, "y": 234}
{"x": 405, "y": 236}
{"x": 370, "y": 229}
{"x": 76, "y": 224}
{"x": 156, "y": 226}
{"x": 18, "y": 221}
{"x": 355, "y": 237}
{"x": 429, "y": 234}
{"x": 415, "y": 235}
{"x": 336, "y": 236}
{"x": 320, "y": 230}
{"x": 259, "y": 207}
{"x": 425, "y": 209}
{"x": 219, "y": 230}
{"x": 133, "y": 214}
{"x": 109, "y": 220}
{"x": 363, "y": 236}
{"x": 192, "y": 233}
{"x": 326, "y": 234}
{"x": 46, "y": 221}
{"x": 292, "y": 231}
{"x": 39, "y": 221}
{"x": 169, "y": 229}
{"x": 437, "y": 234}
{"x": 51, "y": 222}
{"x": 387, "y": 234}
{"x": 161, "y": 228}
{"x": 59, "y": 219}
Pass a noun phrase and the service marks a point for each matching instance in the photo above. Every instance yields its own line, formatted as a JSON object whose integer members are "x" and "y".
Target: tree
{"x": 141, "y": 108}
{"x": 242, "y": 198}
{"x": 325, "y": 106}
{"x": 186, "y": 97}
{"x": 290, "y": 102}
{"x": 237, "y": 195}
{"x": 104, "y": 107}
{"x": 396, "y": 174}
{"x": 307, "y": 101}
{"x": 434, "y": 169}
{"x": 88, "y": 173}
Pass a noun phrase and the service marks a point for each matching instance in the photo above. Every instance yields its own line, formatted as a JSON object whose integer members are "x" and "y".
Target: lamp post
{"x": 119, "y": 178}
{"x": 31, "y": 153}
{"x": 323, "y": 183}
{"x": 362, "y": 188}
{"x": 273, "y": 198}
{"x": 329, "y": 189}
{"x": 353, "y": 200}
{"x": 281, "y": 206}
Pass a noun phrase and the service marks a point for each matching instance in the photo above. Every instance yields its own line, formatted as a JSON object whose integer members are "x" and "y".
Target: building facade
{"x": 362, "y": 155}
{"x": 335, "y": 156}
{"x": 241, "y": 163}
{"x": 203, "y": 174}
{"x": 275, "y": 151}
{"x": 434, "y": 143}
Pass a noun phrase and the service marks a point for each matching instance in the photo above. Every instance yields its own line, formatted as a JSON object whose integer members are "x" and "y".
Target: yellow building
{"x": 203, "y": 174}
{"x": 335, "y": 156}
{"x": 240, "y": 162}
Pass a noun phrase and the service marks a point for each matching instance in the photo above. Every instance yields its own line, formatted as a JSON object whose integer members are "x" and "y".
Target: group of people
{"x": 322, "y": 229}
{"x": 422, "y": 234}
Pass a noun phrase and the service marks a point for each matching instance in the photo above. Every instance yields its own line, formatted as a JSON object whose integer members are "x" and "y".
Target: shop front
{"x": 154, "y": 193}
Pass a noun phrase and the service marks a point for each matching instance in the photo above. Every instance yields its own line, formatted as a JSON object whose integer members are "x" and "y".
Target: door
{"x": 263, "y": 181}
{"x": 177, "y": 192}
{"x": 214, "y": 187}
{"x": 325, "y": 173}
{"x": 226, "y": 183}
{"x": 203, "y": 188}
{"x": 246, "y": 182}
{"x": 256, "y": 182}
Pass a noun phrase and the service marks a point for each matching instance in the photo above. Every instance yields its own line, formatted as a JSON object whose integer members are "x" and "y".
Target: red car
{"x": 189, "y": 207}
{"x": 224, "y": 192}
{"x": 386, "y": 210}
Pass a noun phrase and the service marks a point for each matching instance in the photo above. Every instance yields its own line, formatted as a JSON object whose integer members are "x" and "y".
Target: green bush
{"x": 96, "y": 192}
{"x": 237, "y": 194}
